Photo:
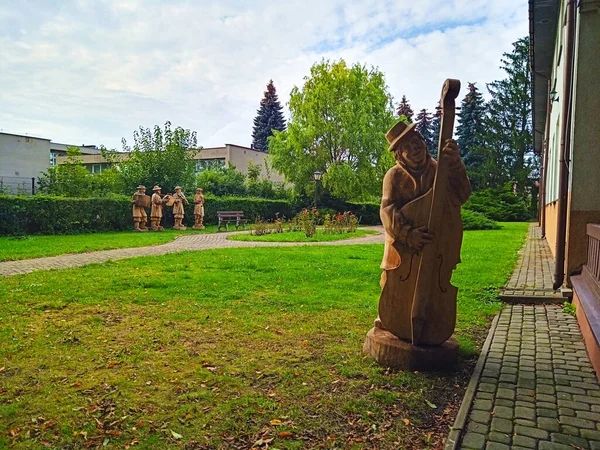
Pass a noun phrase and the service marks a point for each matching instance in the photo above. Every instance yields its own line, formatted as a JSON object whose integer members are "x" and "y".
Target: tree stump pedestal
{"x": 390, "y": 351}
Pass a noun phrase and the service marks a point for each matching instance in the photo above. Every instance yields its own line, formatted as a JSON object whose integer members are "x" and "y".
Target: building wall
{"x": 584, "y": 182}
{"x": 584, "y": 205}
{"x": 23, "y": 156}
{"x": 557, "y": 85}
{"x": 551, "y": 216}
{"x": 240, "y": 156}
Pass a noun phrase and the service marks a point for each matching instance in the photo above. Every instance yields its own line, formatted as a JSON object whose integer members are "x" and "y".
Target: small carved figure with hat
{"x": 178, "y": 208}
{"x": 140, "y": 202}
{"x": 157, "y": 209}
{"x": 198, "y": 210}
{"x": 420, "y": 212}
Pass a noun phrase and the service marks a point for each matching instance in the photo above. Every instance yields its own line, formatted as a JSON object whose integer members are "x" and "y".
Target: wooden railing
{"x": 591, "y": 270}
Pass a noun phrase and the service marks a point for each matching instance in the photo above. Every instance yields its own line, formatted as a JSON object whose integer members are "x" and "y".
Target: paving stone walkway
{"x": 182, "y": 243}
{"x": 532, "y": 277}
{"x": 537, "y": 389}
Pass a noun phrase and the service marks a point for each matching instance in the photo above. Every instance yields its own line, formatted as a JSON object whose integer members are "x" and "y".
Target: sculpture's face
{"x": 413, "y": 150}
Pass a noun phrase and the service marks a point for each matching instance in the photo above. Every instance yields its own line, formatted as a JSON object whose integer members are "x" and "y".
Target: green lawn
{"x": 223, "y": 348}
{"x": 25, "y": 247}
{"x": 299, "y": 236}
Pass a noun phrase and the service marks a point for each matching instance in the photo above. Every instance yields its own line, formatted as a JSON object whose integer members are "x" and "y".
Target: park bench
{"x": 227, "y": 217}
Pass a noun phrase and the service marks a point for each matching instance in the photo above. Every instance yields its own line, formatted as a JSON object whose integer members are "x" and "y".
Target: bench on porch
{"x": 227, "y": 217}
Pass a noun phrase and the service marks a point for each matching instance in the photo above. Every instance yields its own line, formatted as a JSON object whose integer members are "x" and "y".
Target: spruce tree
{"x": 436, "y": 123}
{"x": 507, "y": 151}
{"x": 269, "y": 117}
{"x": 405, "y": 110}
{"x": 470, "y": 131}
{"x": 424, "y": 125}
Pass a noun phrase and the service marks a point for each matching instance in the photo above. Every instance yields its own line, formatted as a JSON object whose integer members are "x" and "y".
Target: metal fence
{"x": 17, "y": 185}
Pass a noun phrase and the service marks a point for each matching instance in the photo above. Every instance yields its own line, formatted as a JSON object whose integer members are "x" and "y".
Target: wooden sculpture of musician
{"x": 420, "y": 212}
{"x": 178, "y": 208}
{"x": 140, "y": 202}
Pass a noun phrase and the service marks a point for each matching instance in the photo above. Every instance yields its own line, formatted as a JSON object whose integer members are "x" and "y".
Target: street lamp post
{"x": 317, "y": 177}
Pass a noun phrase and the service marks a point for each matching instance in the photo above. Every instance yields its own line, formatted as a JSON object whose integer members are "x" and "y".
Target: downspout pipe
{"x": 565, "y": 148}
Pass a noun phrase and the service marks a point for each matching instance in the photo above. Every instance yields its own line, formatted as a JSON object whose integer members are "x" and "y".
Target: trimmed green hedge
{"x": 41, "y": 214}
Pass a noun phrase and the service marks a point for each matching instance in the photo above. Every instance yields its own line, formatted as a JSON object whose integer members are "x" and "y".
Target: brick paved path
{"x": 537, "y": 389}
{"x": 182, "y": 243}
{"x": 532, "y": 277}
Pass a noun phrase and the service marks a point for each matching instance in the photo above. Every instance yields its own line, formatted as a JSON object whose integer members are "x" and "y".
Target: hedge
{"x": 60, "y": 215}
{"x": 41, "y": 214}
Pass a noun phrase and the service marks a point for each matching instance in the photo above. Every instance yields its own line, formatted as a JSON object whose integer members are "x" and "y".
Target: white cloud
{"x": 88, "y": 71}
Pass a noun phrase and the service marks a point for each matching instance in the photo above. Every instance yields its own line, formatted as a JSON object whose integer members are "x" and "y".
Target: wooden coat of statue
{"x": 420, "y": 211}
{"x": 156, "y": 212}
{"x": 178, "y": 208}
{"x": 140, "y": 202}
{"x": 198, "y": 210}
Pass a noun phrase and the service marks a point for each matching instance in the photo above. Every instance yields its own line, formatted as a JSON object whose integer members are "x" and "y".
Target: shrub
{"x": 340, "y": 223}
{"x": 499, "y": 204}
{"x": 367, "y": 212}
{"x": 476, "y": 221}
{"x": 58, "y": 215}
{"x": 307, "y": 220}
{"x": 41, "y": 214}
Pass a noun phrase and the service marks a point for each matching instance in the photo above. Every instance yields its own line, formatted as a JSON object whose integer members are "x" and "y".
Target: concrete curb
{"x": 465, "y": 406}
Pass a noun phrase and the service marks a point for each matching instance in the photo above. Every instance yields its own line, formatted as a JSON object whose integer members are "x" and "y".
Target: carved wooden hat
{"x": 198, "y": 189}
{"x": 141, "y": 187}
{"x": 177, "y": 187}
{"x": 156, "y": 188}
{"x": 398, "y": 132}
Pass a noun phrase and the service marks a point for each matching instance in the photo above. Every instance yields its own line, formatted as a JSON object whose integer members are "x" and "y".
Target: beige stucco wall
{"x": 23, "y": 156}
{"x": 584, "y": 195}
{"x": 551, "y": 215}
{"x": 584, "y": 180}
{"x": 240, "y": 156}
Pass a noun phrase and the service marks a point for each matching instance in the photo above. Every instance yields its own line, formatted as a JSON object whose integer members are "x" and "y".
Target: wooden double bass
{"x": 418, "y": 303}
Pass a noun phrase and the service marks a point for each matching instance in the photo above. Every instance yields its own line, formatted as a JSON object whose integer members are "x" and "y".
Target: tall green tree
{"x": 339, "y": 118}
{"x": 269, "y": 118}
{"x": 424, "y": 125}
{"x": 405, "y": 110}
{"x": 470, "y": 132}
{"x": 162, "y": 156}
{"x": 507, "y": 148}
{"x": 436, "y": 123}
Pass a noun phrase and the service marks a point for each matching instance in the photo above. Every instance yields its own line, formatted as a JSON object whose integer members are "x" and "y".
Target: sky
{"x": 93, "y": 71}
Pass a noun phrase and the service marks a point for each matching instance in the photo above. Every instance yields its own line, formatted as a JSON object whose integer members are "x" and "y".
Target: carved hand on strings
{"x": 418, "y": 237}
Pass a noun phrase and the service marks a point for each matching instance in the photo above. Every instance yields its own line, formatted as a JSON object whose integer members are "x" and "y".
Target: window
{"x": 203, "y": 164}
{"x": 52, "y": 159}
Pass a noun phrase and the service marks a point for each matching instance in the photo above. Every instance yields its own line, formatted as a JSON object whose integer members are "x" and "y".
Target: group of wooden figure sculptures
{"x": 141, "y": 202}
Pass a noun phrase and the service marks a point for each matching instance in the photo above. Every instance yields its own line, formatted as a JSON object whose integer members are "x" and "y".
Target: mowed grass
{"x": 26, "y": 247}
{"x": 232, "y": 348}
{"x": 299, "y": 236}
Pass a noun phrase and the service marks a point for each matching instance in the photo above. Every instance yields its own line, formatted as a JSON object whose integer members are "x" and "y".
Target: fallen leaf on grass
{"x": 275, "y": 422}
{"x": 431, "y": 405}
{"x": 285, "y": 434}
{"x": 14, "y": 432}
{"x": 176, "y": 435}
{"x": 2, "y": 368}
{"x": 406, "y": 421}
{"x": 77, "y": 384}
